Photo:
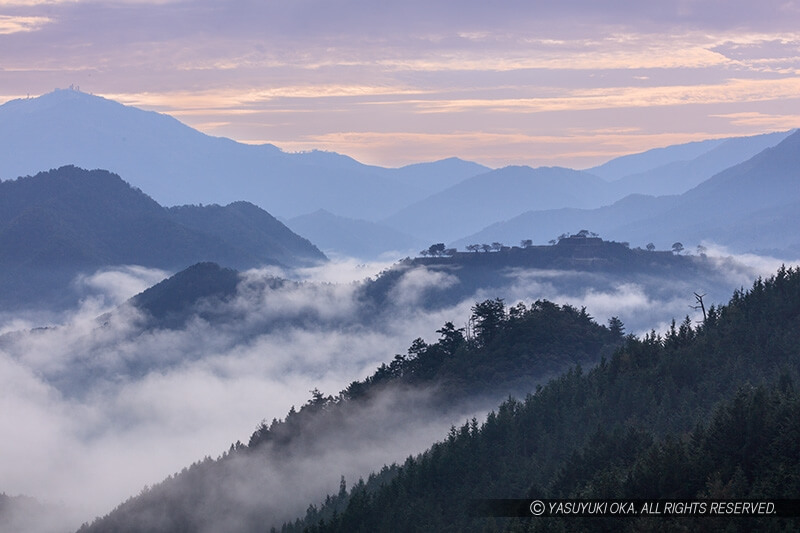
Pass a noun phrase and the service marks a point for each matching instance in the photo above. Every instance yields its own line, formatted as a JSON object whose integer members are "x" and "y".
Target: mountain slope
{"x": 251, "y": 230}
{"x": 542, "y": 226}
{"x": 58, "y": 223}
{"x": 171, "y": 301}
{"x": 102, "y": 219}
{"x": 430, "y": 381}
{"x": 178, "y": 165}
{"x": 497, "y": 195}
{"x": 642, "y": 162}
{"x": 438, "y": 175}
{"x": 642, "y": 424}
{"x": 679, "y": 176}
{"x": 724, "y": 152}
{"x": 767, "y": 181}
{"x": 554, "y": 443}
{"x": 353, "y": 238}
{"x": 748, "y": 207}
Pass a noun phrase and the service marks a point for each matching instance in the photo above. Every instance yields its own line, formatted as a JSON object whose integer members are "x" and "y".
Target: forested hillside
{"x": 506, "y": 351}
{"x": 67, "y": 221}
{"x": 706, "y": 411}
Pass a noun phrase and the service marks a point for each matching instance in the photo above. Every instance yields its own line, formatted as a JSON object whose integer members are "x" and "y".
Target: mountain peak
{"x": 70, "y": 93}
{"x": 177, "y": 164}
{"x": 55, "y": 98}
{"x": 171, "y": 300}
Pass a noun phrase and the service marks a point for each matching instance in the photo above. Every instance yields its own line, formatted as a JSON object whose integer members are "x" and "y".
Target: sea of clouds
{"x": 94, "y": 406}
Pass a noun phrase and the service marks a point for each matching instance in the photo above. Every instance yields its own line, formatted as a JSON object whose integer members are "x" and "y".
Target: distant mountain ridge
{"x": 69, "y": 220}
{"x": 251, "y": 230}
{"x": 679, "y": 175}
{"x": 177, "y": 164}
{"x": 496, "y": 195}
{"x": 631, "y": 164}
{"x": 353, "y": 238}
{"x": 439, "y": 175}
{"x": 752, "y": 206}
{"x": 510, "y": 191}
{"x": 427, "y": 202}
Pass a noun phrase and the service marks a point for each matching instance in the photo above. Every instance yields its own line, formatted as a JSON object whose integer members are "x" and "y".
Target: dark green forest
{"x": 504, "y": 351}
{"x": 706, "y": 411}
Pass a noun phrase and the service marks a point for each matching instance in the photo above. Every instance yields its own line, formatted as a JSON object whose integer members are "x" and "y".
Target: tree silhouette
{"x": 487, "y": 317}
{"x": 616, "y": 326}
{"x": 436, "y": 249}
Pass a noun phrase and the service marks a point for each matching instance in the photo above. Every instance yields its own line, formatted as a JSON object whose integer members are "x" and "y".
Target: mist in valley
{"x": 99, "y": 405}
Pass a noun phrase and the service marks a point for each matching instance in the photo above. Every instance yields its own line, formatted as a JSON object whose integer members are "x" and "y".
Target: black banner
{"x": 634, "y": 508}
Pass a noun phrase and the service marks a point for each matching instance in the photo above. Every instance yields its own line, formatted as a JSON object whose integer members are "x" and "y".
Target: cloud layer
{"x": 100, "y": 408}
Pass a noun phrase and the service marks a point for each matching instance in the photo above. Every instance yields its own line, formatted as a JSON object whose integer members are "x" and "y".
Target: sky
{"x": 570, "y": 83}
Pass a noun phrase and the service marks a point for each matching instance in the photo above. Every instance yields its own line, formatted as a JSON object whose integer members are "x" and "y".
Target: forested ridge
{"x": 490, "y": 271}
{"x": 502, "y": 351}
{"x": 68, "y": 221}
{"x": 505, "y": 350}
{"x": 705, "y": 411}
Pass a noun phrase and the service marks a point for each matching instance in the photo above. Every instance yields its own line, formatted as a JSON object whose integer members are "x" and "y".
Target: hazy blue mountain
{"x": 170, "y": 302}
{"x": 650, "y": 160}
{"x": 434, "y": 202}
{"x": 58, "y": 223}
{"x": 727, "y": 205}
{"x": 501, "y": 194}
{"x": 351, "y": 237}
{"x": 251, "y": 230}
{"x": 177, "y": 164}
{"x": 498, "y": 195}
{"x": 627, "y": 165}
{"x": 438, "y": 175}
{"x": 677, "y": 177}
{"x": 751, "y": 206}
{"x": 545, "y": 225}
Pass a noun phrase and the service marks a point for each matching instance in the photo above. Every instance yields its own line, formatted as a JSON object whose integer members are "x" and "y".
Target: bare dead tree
{"x": 700, "y": 305}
